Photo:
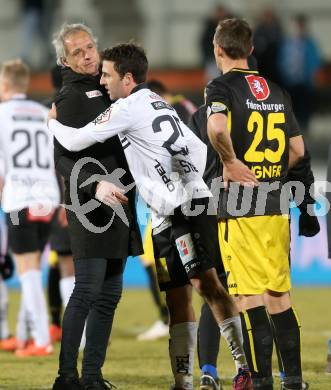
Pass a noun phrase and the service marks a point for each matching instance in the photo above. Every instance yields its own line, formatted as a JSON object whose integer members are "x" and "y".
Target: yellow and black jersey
{"x": 261, "y": 121}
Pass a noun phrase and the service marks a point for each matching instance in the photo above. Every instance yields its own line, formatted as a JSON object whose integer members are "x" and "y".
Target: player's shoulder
{"x": 272, "y": 83}
{"x": 140, "y": 92}
{"x": 217, "y": 82}
{"x": 277, "y": 91}
{"x": 283, "y": 91}
{"x": 4, "y": 107}
{"x": 14, "y": 105}
{"x": 36, "y": 107}
{"x": 220, "y": 84}
{"x": 123, "y": 103}
{"x": 138, "y": 98}
{"x": 12, "y": 109}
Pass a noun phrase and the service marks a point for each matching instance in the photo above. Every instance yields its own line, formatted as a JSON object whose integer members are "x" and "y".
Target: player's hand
{"x": 236, "y": 171}
{"x": 110, "y": 194}
{"x": 52, "y": 114}
{"x": 308, "y": 224}
{"x": 62, "y": 217}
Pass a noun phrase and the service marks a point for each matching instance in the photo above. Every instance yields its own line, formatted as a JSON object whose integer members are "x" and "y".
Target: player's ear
{"x": 128, "y": 78}
{"x": 64, "y": 61}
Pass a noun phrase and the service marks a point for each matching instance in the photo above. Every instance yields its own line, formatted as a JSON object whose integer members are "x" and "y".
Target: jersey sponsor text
{"x": 264, "y": 106}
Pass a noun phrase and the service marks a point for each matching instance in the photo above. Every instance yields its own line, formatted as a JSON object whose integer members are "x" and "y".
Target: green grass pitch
{"x": 133, "y": 365}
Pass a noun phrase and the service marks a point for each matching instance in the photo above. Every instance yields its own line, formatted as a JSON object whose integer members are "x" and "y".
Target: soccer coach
{"x": 99, "y": 257}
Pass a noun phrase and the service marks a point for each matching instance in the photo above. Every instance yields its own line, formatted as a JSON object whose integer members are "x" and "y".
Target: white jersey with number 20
{"x": 26, "y": 156}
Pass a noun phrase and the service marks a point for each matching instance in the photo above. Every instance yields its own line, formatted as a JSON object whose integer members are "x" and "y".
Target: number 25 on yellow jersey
{"x": 256, "y": 122}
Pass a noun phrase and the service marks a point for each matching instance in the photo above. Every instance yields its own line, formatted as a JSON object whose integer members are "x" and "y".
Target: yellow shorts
{"x": 255, "y": 253}
{"x": 148, "y": 257}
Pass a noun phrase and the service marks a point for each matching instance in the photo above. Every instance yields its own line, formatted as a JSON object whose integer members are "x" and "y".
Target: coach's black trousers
{"x": 98, "y": 289}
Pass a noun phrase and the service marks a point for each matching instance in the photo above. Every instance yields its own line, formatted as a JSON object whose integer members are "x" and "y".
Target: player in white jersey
{"x": 29, "y": 195}
{"x": 167, "y": 161}
{"x": 163, "y": 154}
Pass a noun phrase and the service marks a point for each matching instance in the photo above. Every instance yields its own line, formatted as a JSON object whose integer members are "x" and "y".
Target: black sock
{"x": 287, "y": 333}
{"x": 164, "y": 314}
{"x": 154, "y": 288}
{"x": 208, "y": 337}
{"x": 54, "y": 296}
{"x": 258, "y": 343}
{"x": 279, "y": 359}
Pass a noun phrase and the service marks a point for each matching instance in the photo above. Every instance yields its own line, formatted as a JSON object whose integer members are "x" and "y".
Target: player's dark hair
{"x": 235, "y": 37}
{"x": 157, "y": 87}
{"x": 128, "y": 58}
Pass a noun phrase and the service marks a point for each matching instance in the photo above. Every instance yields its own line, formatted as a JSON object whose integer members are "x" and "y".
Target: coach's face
{"x": 116, "y": 86}
{"x": 81, "y": 53}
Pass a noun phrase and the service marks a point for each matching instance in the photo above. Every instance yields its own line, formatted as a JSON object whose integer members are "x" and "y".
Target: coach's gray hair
{"x": 60, "y": 37}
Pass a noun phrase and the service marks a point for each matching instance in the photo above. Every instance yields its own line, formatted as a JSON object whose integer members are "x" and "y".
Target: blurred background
{"x": 177, "y": 37}
{"x": 292, "y": 46}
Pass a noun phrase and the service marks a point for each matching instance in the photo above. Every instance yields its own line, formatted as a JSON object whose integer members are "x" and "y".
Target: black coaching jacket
{"x": 80, "y": 100}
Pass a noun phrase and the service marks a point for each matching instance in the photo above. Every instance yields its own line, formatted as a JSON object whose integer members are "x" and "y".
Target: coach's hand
{"x": 52, "y": 114}
{"x": 238, "y": 172}
{"x": 110, "y": 194}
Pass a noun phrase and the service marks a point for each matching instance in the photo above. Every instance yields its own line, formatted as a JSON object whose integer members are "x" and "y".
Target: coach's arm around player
{"x": 106, "y": 192}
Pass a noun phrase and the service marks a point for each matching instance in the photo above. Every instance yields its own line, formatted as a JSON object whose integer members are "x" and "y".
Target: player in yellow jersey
{"x": 252, "y": 126}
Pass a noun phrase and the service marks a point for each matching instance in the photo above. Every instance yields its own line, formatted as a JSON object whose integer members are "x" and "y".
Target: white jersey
{"x": 165, "y": 157}
{"x": 26, "y": 157}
